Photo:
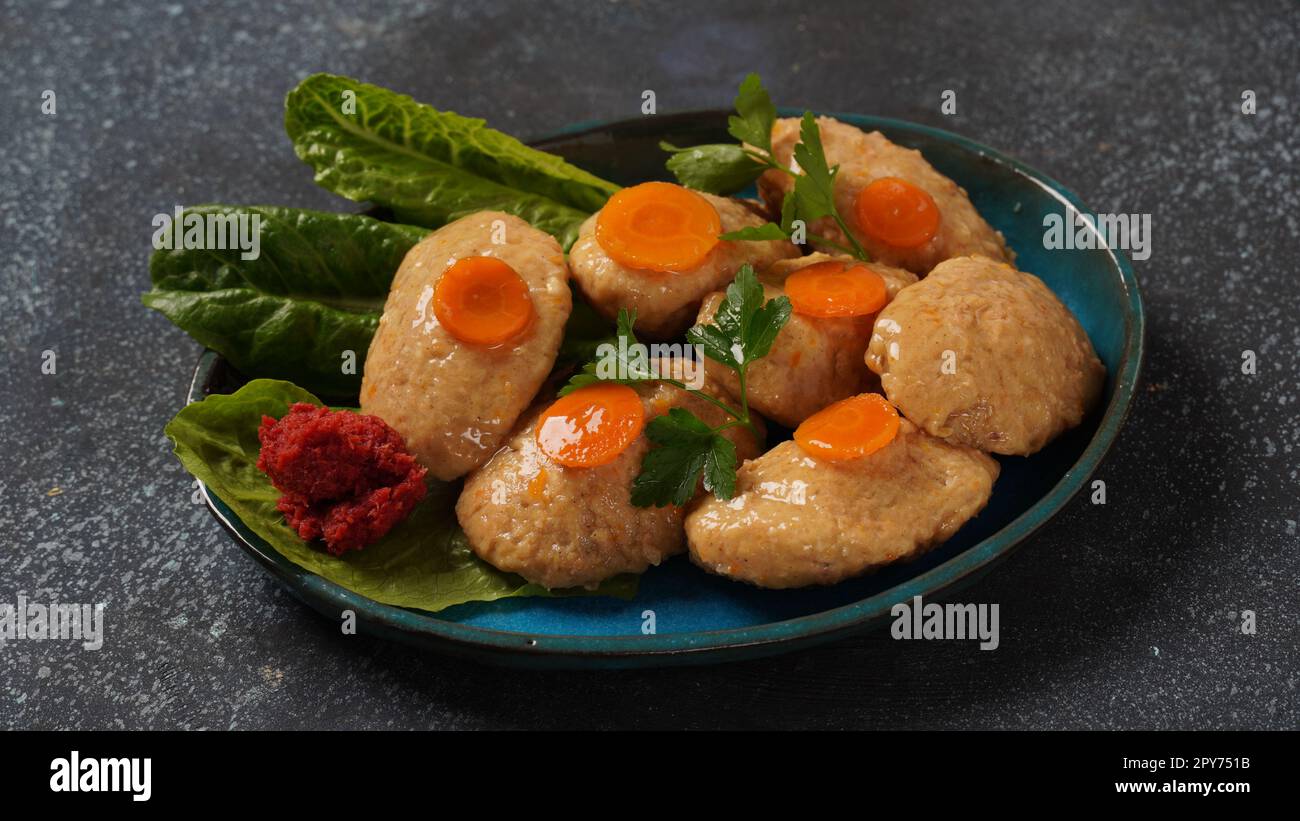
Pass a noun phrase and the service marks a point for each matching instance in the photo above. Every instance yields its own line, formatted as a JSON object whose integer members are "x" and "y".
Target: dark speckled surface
{"x": 1123, "y": 615}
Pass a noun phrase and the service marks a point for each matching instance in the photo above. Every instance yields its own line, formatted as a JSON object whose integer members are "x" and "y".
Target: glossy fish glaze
{"x": 570, "y": 527}
{"x": 666, "y": 301}
{"x": 987, "y": 356}
{"x": 798, "y": 521}
{"x": 815, "y": 360}
{"x": 454, "y": 402}
{"x": 864, "y": 157}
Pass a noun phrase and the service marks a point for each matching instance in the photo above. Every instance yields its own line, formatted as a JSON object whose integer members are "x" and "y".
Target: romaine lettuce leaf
{"x": 430, "y": 167}
{"x": 315, "y": 292}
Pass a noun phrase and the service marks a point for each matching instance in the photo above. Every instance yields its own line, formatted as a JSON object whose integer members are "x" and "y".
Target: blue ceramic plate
{"x": 703, "y": 618}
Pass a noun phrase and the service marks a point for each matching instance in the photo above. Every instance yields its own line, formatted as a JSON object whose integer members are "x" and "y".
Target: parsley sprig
{"x": 623, "y": 360}
{"x": 725, "y": 168}
{"x": 686, "y": 448}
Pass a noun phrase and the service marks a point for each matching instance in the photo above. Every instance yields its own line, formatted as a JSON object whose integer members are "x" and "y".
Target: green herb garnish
{"x": 622, "y": 364}
{"x": 742, "y": 332}
{"x": 685, "y": 447}
{"x": 724, "y": 168}
{"x": 754, "y": 116}
{"x": 721, "y": 168}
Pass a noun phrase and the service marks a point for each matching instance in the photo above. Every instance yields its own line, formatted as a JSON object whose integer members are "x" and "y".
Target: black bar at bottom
{"x": 443, "y": 771}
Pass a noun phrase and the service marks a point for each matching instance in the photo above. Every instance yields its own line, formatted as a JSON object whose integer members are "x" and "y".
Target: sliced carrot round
{"x": 897, "y": 213}
{"x": 658, "y": 226}
{"x": 834, "y": 288}
{"x": 849, "y": 429}
{"x": 482, "y": 301}
{"x": 591, "y": 426}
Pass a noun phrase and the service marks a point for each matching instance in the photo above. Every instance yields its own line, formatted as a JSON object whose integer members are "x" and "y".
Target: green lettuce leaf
{"x": 425, "y": 562}
{"x": 315, "y": 292}
{"x": 428, "y": 166}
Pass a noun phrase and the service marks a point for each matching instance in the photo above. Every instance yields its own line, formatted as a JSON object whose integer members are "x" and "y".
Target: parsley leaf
{"x": 769, "y": 230}
{"x": 744, "y": 326}
{"x": 754, "y": 116}
{"x": 814, "y": 189}
{"x": 756, "y": 233}
{"x": 726, "y": 168}
{"x": 788, "y": 215}
{"x": 720, "y": 468}
{"x": 811, "y": 198}
{"x": 686, "y": 448}
{"x": 618, "y": 359}
{"x": 723, "y": 168}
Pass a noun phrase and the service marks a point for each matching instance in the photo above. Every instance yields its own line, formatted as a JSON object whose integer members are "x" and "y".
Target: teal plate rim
{"x": 538, "y": 649}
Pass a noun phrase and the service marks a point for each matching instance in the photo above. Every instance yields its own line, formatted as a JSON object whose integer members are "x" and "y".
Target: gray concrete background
{"x": 1115, "y": 616}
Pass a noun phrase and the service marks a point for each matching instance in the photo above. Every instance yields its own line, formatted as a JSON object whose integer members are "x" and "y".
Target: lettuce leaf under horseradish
{"x": 425, "y": 562}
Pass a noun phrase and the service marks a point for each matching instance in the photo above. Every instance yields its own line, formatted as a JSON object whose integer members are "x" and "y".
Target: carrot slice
{"x": 482, "y": 301}
{"x": 834, "y": 289}
{"x": 591, "y": 426}
{"x": 897, "y": 213}
{"x": 658, "y": 226}
{"x": 849, "y": 429}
